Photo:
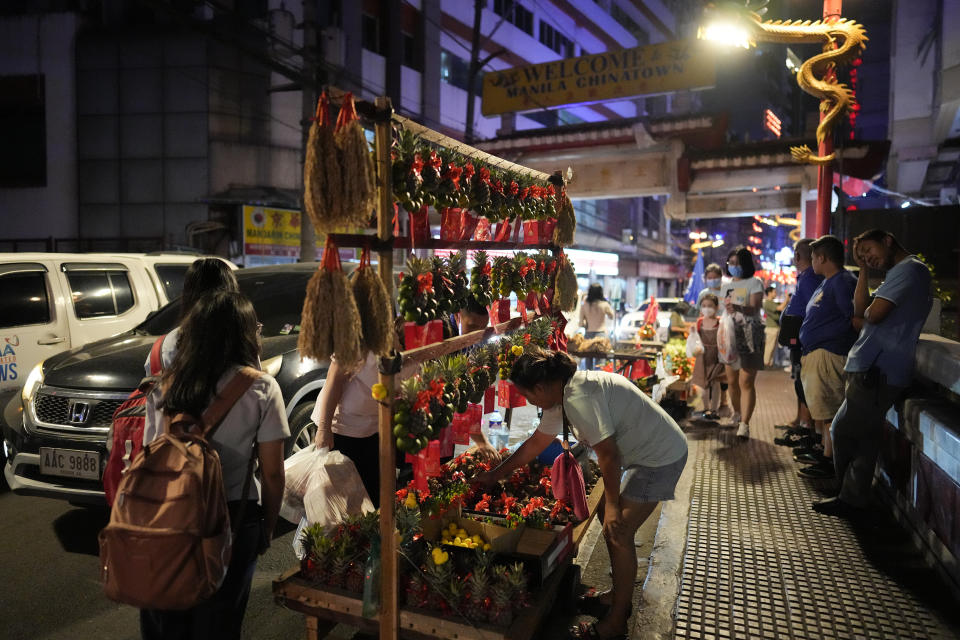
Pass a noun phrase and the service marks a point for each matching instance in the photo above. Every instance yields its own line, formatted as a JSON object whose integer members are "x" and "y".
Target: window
{"x": 456, "y": 71}
{"x": 100, "y": 293}
{"x": 23, "y": 127}
{"x": 24, "y": 298}
{"x": 514, "y": 13}
{"x": 370, "y": 35}
{"x": 555, "y": 40}
{"x": 171, "y": 278}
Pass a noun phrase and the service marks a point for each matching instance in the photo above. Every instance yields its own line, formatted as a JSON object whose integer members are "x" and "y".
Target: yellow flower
{"x": 378, "y": 391}
{"x": 439, "y": 557}
{"x": 517, "y": 350}
{"x": 411, "y": 501}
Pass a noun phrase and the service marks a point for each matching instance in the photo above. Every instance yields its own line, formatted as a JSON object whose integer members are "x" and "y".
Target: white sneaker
{"x": 744, "y": 431}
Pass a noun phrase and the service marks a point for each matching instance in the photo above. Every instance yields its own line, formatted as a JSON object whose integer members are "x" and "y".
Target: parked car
{"x": 57, "y": 445}
{"x": 52, "y": 302}
{"x": 631, "y": 322}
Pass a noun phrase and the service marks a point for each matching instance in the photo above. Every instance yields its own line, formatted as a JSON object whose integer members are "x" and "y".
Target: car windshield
{"x": 277, "y": 299}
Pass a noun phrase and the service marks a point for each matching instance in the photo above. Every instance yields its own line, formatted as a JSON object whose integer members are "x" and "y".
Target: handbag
{"x": 789, "y": 335}
{"x": 566, "y": 476}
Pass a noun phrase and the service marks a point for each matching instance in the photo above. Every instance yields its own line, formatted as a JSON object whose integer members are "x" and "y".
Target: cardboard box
{"x": 542, "y": 551}
{"x": 501, "y": 539}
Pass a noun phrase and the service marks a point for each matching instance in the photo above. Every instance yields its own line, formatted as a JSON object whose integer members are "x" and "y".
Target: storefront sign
{"x": 270, "y": 236}
{"x": 657, "y": 68}
{"x": 598, "y": 263}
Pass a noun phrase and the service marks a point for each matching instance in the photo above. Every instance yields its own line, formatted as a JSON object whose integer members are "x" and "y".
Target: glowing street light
{"x": 725, "y": 32}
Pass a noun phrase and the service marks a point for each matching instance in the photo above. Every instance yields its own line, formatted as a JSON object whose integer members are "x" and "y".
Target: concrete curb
{"x": 655, "y": 620}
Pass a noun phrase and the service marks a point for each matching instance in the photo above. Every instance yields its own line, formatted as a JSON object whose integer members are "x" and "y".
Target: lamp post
{"x": 821, "y": 223}
{"x": 741, "y": 25}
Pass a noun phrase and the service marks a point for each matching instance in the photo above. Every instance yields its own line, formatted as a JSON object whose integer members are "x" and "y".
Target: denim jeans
{"x": 857, "y": 429}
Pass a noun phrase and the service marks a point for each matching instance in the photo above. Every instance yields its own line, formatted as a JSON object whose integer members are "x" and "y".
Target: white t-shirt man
{"x": 601, "y": 404}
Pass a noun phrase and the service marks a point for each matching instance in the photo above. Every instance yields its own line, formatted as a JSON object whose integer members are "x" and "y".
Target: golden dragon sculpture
{"x": 843, "y": 41}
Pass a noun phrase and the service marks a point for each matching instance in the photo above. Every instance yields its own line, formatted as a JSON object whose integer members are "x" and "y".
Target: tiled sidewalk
{"x": 759, "y": 563}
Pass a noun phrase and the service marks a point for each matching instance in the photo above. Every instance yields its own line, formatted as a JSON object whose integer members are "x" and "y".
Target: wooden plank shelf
{"x": 371, "y": 241}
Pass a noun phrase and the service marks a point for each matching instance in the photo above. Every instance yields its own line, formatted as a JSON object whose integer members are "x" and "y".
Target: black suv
{"x": 58, "y": 447}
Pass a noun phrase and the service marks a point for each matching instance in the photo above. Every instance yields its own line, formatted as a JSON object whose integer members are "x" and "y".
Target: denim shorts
{"x": 651, "y": 484}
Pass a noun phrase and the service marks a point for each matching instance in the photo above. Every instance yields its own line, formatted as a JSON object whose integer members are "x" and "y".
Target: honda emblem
{"x": 78, "y": 412}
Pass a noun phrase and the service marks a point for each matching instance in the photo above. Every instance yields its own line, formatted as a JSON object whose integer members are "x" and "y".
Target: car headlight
{"x": 272, "y": 366}
{"x": 33, "y": 382}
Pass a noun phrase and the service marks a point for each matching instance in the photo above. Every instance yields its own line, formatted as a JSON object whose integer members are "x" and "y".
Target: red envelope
{"x": 420, "y": 335}
{"x": 531, "y": 232}
{"x": 508, "y": 396}
{"x": 489, "y": 397}
{"x": 450, "y": 221}
{"x": 419, "y": 225}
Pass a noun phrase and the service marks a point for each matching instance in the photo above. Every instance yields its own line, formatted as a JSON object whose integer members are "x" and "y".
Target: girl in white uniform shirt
{"x": 217, "y": 338}
{"x": 640, "y": 449}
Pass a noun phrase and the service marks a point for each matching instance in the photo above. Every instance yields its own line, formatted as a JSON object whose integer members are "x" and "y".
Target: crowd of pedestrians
{"x": 851, "y": 352}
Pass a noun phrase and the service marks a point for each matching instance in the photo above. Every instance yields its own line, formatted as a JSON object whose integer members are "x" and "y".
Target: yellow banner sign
{"x": 657, "y": 68}
{"x": 271, "y": 232}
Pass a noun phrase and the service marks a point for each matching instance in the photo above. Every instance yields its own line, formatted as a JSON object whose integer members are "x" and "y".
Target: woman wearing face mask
{"x": 708, "y": 372}
{"x": 742, "y": 297}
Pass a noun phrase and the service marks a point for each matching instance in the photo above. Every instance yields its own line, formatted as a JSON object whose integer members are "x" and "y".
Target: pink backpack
{"x": 566, "y": 477}
{"x": 126, "y": 429}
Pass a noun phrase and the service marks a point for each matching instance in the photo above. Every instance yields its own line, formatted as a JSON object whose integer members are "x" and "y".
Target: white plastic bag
{"x": 297, "y": 470}
{"x": 694, "y": 343}
{"x": 335, "y": 491}
{"x": 727, "y": 340}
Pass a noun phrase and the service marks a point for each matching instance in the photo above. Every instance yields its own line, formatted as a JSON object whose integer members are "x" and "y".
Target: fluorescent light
{"x": 905, "y": 204}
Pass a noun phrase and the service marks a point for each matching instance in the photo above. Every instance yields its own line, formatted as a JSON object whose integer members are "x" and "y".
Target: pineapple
{"x": 480, "y": 281}
{"x": 317, "y": 547}
{"x": 417, "y": 590}
{"x": 354, "y": 576}
{"x": 501, "y": 603}
{"x": 540, "y": 331}
{"x": 455, "y": 591}
{"x": 437, "y": 577}
{"x": 518, "y": 586}
{"x": 340, "y": 558}
{"x": 477, "y": 600}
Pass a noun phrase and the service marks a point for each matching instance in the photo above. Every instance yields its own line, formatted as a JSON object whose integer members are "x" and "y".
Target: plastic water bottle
{"x": 495, "y": 431}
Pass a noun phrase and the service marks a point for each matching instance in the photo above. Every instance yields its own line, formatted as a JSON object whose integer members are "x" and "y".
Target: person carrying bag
{"x": 218, "y": 342}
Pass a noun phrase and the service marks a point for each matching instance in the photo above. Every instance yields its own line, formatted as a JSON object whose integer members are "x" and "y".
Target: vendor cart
{"x": 323, "y": 607}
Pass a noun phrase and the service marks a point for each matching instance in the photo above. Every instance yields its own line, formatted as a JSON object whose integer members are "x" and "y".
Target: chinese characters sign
{"x": 657, "y": 68}
{"x": 270, "y": 236}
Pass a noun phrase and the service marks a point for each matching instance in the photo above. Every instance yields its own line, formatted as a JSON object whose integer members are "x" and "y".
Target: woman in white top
{"x": 594, "y": 312}
{"x": 640, "y": 449}
{"x": 217, "y": 338}
{"x": 347, "y": 416}
{"x": 743, "y": 300}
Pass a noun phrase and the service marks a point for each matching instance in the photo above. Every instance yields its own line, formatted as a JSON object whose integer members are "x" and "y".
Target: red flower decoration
{"x": 425, "y": 283}
{"x": 468, "y": 171}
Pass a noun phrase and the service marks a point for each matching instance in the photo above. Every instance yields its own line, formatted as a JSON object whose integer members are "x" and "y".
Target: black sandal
{"x": 588, "y": 631}
{"x": 589, "y": 603}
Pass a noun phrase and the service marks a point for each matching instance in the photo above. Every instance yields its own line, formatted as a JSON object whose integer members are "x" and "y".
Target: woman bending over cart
{"x": 641, "y": 453}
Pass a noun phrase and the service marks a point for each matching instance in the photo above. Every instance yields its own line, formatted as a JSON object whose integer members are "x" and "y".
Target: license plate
{"x": 70, "y": 463}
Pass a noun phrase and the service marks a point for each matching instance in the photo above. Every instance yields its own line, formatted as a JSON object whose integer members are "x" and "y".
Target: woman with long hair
{"x": 594, "y": 312}
{"x": 203, "y": 277}
{"x": 742, "y": 299}
{"x": 641, "y": 453}
{"x": 219, "y": 336}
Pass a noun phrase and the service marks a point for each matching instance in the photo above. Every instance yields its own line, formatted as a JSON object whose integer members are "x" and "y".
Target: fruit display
{"x": 460, "y": 286}
{"x": 416, "y": 294}
{"x": 455, "y": 368}
{"x": 481, "y": 371}
{"x": 458, "y": 537}
{"x": 647, "y": 332}
{"x": 480, "y": 280}
{"x": 511, "y": 347}
{"x": 406, "y": 171}
{"x": 502, "y": 276}
{"x": 412, "y": 420}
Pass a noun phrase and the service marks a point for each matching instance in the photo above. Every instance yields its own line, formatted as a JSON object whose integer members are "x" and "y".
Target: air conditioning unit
{"x": 333, "y": 45}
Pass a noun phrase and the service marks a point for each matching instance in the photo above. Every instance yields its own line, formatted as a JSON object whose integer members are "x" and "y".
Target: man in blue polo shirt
{"x": 880, "y": 364}
{"x": 799, "y": 432}
{"x": 826, "y": 336}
